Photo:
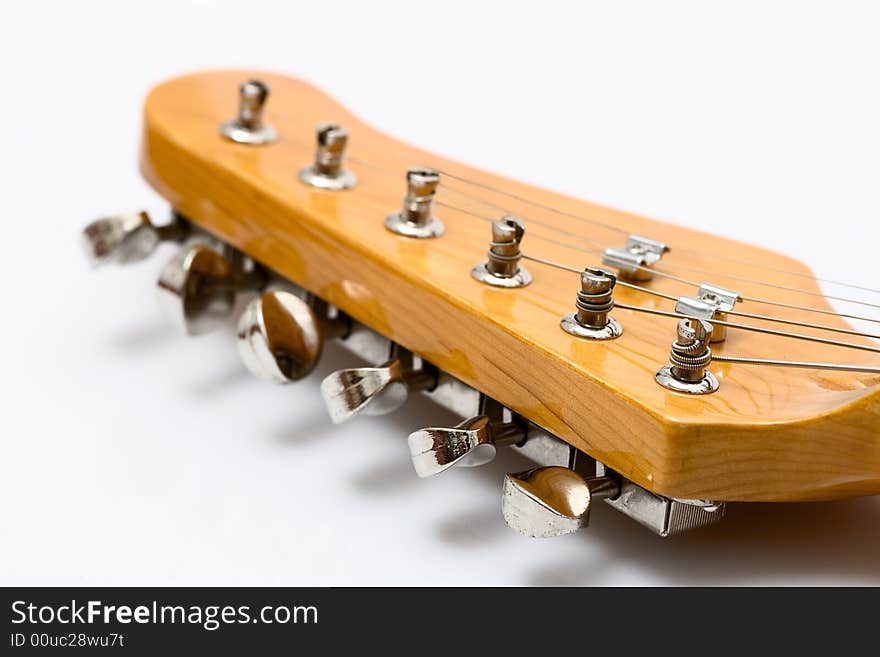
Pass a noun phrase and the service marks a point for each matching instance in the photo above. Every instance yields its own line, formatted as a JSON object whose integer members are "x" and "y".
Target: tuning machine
{"x": 198, "y": 287}
{"x": 470, "y": 443}
{"x": 281, "y": 334}
{"x": 248, "y": 127}
{"x": 553, "y": 500}
{"x": 376, "y": 390}
{"x": 127, "y": 238}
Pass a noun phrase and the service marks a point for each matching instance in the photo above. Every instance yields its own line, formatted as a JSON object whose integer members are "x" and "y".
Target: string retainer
{"x": 635, "y": 259}
{"x": 711, "y": 302}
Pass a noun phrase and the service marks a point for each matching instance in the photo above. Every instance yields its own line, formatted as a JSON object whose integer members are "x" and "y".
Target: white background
{"x": 133, "y": 455}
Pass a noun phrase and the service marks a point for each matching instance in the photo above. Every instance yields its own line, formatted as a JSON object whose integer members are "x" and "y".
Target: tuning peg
{"x": 198, "y": 286}
{"x": 468, "y": 444}
{"x": 327, "y": 171}
{"x": 375, "y": 390}
{"x": 280, "y": 336}
{"x": 126, "y": 238}
{"x": 553, "y": 500}
{"x": 248, "y": 126}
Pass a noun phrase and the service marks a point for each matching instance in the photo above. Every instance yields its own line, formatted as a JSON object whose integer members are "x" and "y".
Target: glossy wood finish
{"x": 768, "y": 433}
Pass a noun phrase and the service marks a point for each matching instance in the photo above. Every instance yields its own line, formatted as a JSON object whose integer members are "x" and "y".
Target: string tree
{"x": 594, "y": 301}
{"x": 327, "y": 171}
{"x": 688, "y": 359}
{"x": 711, "y": 302}
{"x": 127, "y": 238}
{"x": 415, "y": 218}
{"x": 248, "y": 127}
{"x": 503, "y": 268}
{"x": 635, "y": 259}
{"x": 198, "y": 286}
{"x": 377, "y": 390}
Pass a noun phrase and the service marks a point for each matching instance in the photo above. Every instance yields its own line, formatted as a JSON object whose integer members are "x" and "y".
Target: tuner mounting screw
{"x": 594, "y": 301}
{"x": 502, "y": 269}
{"x": 415, "y": 219}
{"x": 688, "y": 360}
{"x": 327, "y": 172}
{"x": 248, "y": 126}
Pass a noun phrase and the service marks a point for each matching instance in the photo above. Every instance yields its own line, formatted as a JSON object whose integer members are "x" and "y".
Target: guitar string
{"x": 622, "y": 231}
{"x": 744, "y": 360}
{"x": 756, "y": 329}
{"x": 659, "y": 273}
{"x": 866, "y": 369}
{"x": 670, "y": 297}
{"x": 654, "y": 269}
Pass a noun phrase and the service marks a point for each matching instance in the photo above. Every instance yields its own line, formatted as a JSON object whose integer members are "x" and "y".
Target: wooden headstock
{"x": 769, "y": 433}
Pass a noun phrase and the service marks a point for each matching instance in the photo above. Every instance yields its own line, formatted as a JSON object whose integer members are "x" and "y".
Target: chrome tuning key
{"x": 281, "y": 336}
{"x": 376, "y": 390}
{"x": 327, "y": 171}
{"x": 248, "y": 127}
{"x": 415, "y": 218}
{"x": 503, "y": 268}
{"x": 126, "y": 238}
{"x": 198, "y": 286}
{"x": 470, "y": 443}
{"x": 594, "y": 301}
{"x": 635, "y": 259}
{"x": 688, "y": 360}
{"x": 553, "y": 500}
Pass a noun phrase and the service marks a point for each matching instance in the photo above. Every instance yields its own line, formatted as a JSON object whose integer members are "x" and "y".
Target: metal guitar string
{"x": 622, "y": 231}
{"x": 738, "y": 359}
{"x": 756, "y": 329}
{"x": 656, "y": 293}
{"x": 720, "y": 358}
{"x": 654, "y": 270}
{"x": 863, "y": 369}
{"x": 600, "y": 251}
{"x": 663, "y": 274}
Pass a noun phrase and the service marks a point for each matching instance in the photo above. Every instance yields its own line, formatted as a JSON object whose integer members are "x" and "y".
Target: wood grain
{"x": 768, "y": 433}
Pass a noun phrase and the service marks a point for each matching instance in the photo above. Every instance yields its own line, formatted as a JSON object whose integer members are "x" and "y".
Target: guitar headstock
{"x": 548, "y": 321}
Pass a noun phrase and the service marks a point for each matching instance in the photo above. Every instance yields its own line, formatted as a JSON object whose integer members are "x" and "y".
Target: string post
{"x": 593, "y": 303}
{"x": 711, "y": 303}
{"x": 248, "y": 126}
{"x": 688, "y": 360}
{"x": 635, "y": 259}
{"x": 414, "y": 219}
{"x": 503, "y": 268}
{"x": 327, "y": 172}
